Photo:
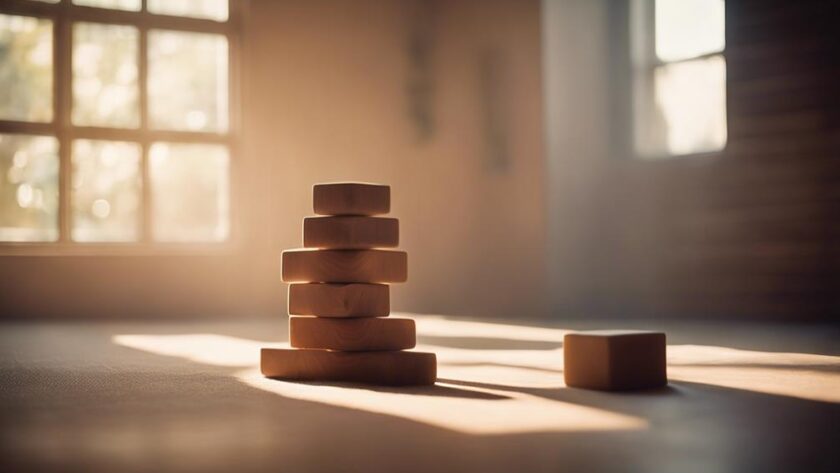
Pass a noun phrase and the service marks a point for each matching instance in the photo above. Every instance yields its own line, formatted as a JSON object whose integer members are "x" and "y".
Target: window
{"x": 680, "y": 77}
{"x": 115, "y": 122}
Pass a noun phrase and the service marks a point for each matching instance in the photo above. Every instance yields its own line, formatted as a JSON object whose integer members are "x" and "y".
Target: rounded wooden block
{"x": 351, "y": 198}
{"x": 347, "y": 266}
{"x": 350, "y": 232}
{"x": 368, "y": 334}
{"x": 614, "y": 360}
{"x": 388, "y": 368}
{"x": 339, "y": 300}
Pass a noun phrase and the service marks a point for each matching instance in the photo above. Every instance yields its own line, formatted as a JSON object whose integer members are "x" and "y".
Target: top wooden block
{"x": 351, "y": 198}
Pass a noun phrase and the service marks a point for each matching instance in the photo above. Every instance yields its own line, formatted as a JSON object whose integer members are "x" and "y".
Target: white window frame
{"x": 63, "y": 15}
{"x": 645, "y": 61}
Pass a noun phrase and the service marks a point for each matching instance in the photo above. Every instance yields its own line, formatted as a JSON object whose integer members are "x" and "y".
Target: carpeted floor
{"x": 187, "y": 397}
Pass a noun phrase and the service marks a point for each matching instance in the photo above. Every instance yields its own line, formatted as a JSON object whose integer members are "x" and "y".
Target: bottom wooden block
{"x": 387, "y": 368}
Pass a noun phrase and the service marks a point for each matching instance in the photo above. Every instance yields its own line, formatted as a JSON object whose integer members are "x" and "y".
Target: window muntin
{"x": 77, "y": 137}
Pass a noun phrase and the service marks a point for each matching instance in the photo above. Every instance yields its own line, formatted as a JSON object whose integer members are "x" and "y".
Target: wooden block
{"x": 365, "y": 266}
{"x": 350, "y": 232}
{"x": 388, "y": 368}
{"x": 614, "y": 360}
{"x": 351, "y": 198}
{"x": 367, "y": 334}
{"x": 339, "y": 300}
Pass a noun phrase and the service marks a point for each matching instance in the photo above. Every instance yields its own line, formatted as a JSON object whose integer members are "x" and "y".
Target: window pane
{"x": 133, "y": 5}
{"x": 28, "y": 188}
{"x": 189, "y": 184}
{"x": 688, "y": 28}
{"x": 188, "y": 81}
{"x": 105, "y": 87}
{"x": 212, "y": 9}
{"x": 106, "y": 190}
{"x": 25, "y": 68}
{"x": 691, "y": 101}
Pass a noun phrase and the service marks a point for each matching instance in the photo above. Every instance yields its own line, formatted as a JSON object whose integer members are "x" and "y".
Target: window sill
{"x": 116, "y": 249}
{"x": 701, "y": 157}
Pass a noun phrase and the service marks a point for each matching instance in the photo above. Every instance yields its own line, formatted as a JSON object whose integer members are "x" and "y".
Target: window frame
{"x": 63, "y": 15}
{"x": 644, "y": 61}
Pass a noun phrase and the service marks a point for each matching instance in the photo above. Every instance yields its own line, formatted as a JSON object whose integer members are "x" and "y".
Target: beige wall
{"x": 326, "y": 99}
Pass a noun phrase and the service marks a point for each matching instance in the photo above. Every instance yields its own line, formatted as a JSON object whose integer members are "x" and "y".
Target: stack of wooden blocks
{"x": 339, "y": 297}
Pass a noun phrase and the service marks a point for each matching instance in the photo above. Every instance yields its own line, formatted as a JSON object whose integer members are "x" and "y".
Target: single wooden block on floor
{"x": 350, "y": 232}
{"x": 339, "y": 300}
{"x": 347, "y": 266}
{"x": 366, "y": 334}
{"x": 351, "y": 198}
{"x": 386, "y": 368}
{"x": 614, "y": 360}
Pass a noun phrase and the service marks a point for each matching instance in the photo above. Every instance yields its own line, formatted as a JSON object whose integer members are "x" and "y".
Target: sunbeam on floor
{"x": 490, "y": 391}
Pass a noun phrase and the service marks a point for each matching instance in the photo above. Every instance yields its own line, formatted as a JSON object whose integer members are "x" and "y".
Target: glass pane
{"x": 188, "y": 81}
{"x": 106, "y": 190}
{"x": 105, "y": 91}
{"x": 189, "y": 184}
{"x": 28, "y": 188}
{"x": 212, "y": 9}
{"x": 26, "y": 58}
{"x": 688, "y": 28}
{"x": 691, "y": 101}
{"x": 133, "y": 5}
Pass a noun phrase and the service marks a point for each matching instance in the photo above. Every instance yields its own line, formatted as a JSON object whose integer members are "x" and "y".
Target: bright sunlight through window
{"x": 115, "y": 121}
{"x": 680, "y": 85}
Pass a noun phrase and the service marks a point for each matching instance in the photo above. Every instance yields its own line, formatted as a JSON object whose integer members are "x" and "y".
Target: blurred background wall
{"x": 751, "y": 231}
{"x": 504, "y": 129}
{"x": 441, "y": 100}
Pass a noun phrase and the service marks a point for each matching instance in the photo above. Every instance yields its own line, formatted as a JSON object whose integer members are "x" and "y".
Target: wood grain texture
{"x": 351, "y": 198}
{"x": 386, "y": 368}
{"x": 350, "y": 232}
{"x": 345, "y": 266}
{"x": 340, "y": 300}
{"x": 364, "y": 334}
{"x": 614, "y": 360}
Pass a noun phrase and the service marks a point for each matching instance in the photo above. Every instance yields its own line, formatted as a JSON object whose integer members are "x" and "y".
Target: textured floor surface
{"x": 187, "y": 397}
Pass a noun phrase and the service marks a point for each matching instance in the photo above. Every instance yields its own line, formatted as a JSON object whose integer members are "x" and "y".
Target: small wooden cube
{"x": 339, "y": 300}
{"x": 350, "y": 232}
{"x": 351, "y": 198}
{"x": 345, "y": 266}
{"x": 387, "y": 368}
{"x": 614, "y": 360}
{"x": 366, "y": 334}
